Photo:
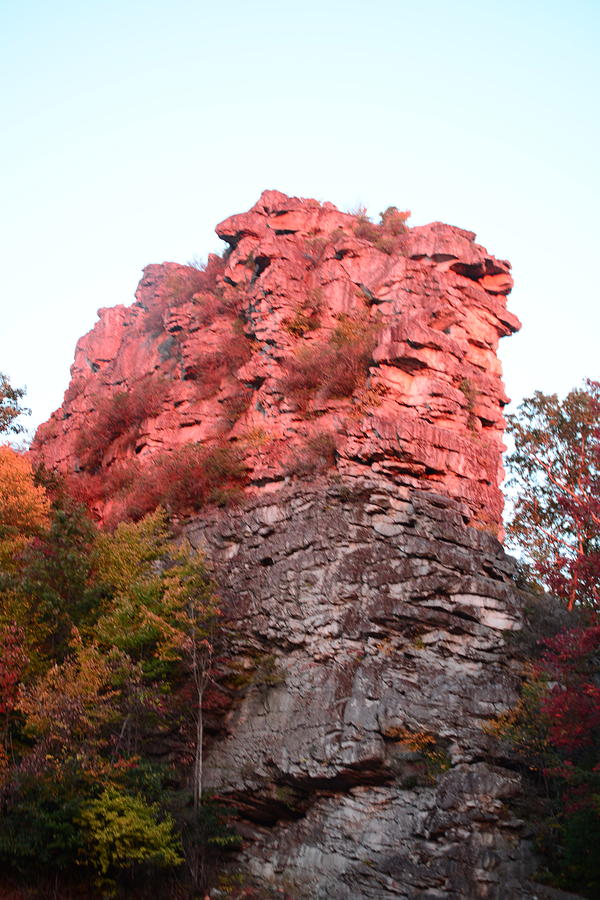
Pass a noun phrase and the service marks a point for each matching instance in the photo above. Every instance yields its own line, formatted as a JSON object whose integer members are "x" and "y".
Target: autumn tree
{"x": 107, "y": 643}
{"x": 122, "y": 830}
{"x": 555, "y": 479}
{"x": 555, "y": 728}
{"x": 163, "y": 613}
{"x": 24, "y": 506}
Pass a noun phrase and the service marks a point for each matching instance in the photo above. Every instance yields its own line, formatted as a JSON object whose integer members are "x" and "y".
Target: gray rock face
{"x": 372, "y": 630}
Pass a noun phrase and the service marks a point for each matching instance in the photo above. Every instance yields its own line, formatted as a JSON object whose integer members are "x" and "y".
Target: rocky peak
{"x": 319, "y": 340}
{"x": 344, "y": 375}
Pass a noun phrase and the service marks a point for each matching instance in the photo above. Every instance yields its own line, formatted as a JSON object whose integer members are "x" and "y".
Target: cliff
{"x": 319, "y": 340}
{"x": 337, "y": 379}
{"x": 374, "y": 629}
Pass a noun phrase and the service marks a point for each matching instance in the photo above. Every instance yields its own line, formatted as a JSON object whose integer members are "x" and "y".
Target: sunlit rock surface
{"x": 426, "y": 412}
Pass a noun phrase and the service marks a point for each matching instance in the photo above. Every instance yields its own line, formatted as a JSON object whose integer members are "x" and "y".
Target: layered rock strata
{"x": 374, "y": 633}
{"x": 353, "y": 368}
{"x": 318, "y": 335}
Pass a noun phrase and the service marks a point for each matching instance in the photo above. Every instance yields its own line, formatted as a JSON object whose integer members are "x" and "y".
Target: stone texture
{"x": 371, "y": 622}
{"x": 429, "y": 414}
{"x": 373, "y": 630}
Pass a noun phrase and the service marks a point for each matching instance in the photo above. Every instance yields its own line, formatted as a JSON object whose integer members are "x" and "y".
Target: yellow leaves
{"x": 72, "y": 701}
{"x": 163, "y": 604}
{"x": 128, "y": 555}
{"x": 121, "y": 830}
{"x": 24, "y": 506}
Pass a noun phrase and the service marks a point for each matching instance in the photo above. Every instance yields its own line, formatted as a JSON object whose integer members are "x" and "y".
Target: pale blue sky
{"x": 131, "y": 128}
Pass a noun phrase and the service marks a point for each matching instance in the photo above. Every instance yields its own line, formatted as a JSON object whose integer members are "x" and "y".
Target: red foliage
{"x": 91, "y": 489}
{"x": 117, "y": 413}
{"x": 84, "y": 487}
{"x": 573, "y": 704}
{"x": 183, "y": 482}
{"x": 333, "y": 368}
{"x": 574, "y": 714}
{"x": 305, "y": 372}
{"x": 13, "y": 661}
{"x": 572, "y": 569}
{"x": 570, "y": 650}
{"x": 210, "y": 368}
{"x": 207, "y": 307}
{"x": 236, "y": 403}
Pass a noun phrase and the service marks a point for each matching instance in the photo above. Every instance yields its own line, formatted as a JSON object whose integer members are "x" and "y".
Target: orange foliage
{"x": 24, "y": 506}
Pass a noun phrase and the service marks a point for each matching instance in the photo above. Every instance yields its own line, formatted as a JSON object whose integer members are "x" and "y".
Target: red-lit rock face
{"x": 320, "y": 340}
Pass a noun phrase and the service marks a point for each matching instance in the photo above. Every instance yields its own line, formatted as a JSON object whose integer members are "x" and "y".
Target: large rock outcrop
{"x": 375, "y": 629}
{"x": 319, "y": 338}
{"x": 352, "y": 367}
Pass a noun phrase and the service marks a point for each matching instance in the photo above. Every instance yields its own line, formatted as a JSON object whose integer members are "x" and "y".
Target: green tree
{"x": 74, "y": 711}
{"x": 56, "y": 582}
{"x": 163, "y": 612}
{"x": 107, "y": 644}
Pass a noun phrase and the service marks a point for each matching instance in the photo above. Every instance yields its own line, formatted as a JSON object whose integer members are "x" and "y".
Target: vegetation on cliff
{"x": 313, "y": 321}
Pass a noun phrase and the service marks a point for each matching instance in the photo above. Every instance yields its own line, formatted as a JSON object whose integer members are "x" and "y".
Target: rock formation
{"x": 320, "y": 338}
{"x": 352, "y": 370}
{"x": 373, "y": 627}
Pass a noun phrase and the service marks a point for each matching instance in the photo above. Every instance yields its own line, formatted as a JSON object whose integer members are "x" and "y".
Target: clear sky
{"x": 131, "y": 128}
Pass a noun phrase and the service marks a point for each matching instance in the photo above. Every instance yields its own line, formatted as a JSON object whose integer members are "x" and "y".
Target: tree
{"x": 555, "y": 727}
{"x": 10, "y": 408}
{"x": 24, "y": 506}
{"x": 190, "y": 635}
{"x": 106, "y": 660}
{"x": 163, "y": 610}
{"x": 555, "y": 470}
{"x": 55, "y": 581}
{"x": 122, "y": 830}
{"x": 554, "y": 733}
{"x": 163, "y": 613}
